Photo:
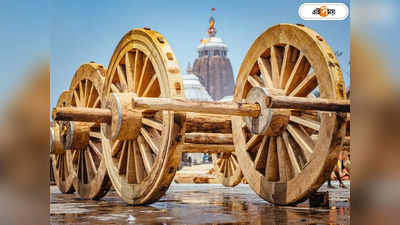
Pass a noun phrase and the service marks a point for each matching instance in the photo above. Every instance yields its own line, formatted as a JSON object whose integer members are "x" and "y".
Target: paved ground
{"x": 198, "y": 204}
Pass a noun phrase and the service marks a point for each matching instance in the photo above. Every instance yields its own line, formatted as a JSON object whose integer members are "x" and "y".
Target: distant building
{"x": 213, "y": 67}
{"x": 194, "y": 90}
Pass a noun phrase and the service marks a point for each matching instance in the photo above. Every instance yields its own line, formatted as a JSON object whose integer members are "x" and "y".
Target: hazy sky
{"x": 83, "y": 31}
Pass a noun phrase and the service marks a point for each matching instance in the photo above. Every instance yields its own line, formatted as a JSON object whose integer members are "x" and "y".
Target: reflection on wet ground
{"x": 198, "y": 204}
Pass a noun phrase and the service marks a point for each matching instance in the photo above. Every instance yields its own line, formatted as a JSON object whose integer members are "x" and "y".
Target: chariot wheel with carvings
{"x": 290, "y": 158}
{"x": 91, "y": 180}
{"x": 141, "y": 157}
{"x": 63, "y": 174}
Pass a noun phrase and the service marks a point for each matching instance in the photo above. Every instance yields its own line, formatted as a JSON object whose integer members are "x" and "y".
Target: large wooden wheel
{"x": 61, "y": 160}
{"x": 227, "y": 169}
{"x": 286, "y": 164}
{"x": 142, "y": 168}
{"x": 91, "y": 179}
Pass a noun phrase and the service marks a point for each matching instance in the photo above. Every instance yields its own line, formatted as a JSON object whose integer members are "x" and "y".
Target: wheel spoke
{"x": 66, "y": 167}
{"x": 86, "y": 92}
{"x": 222, "y": 167}
{"x": 115, "y": 89}
{"x": 143, "y": 73}
{"x": 122, "y": 163}
{"x": 152, "y": 123}
{"x": 292, "y": 156}
{"x": 265, "y": 69}
{"x": 140, "y": 170}
{"x": 75, "y": 158}
{"x": 122, "y": 77}
{"x": 235, "y": 162}
{"x": 62, "y": 169}
{"x": 272, "y": 169}
{"x": 283, "y": 160}
{"x": 77, "y": 100}
{"x": 302, "y": 139}
{"x": 79, "y": 167}
{"x": 254, "y": 81}
{"x": 90, "y": 166}
{"x": 149, "y": 140}
{"x": 307, "y": 85}
{"x": 226, "y": 165}
{"x": 232, "y": 166}
{"x": 253, "y": 142}
{"x": 95, "y": 134}
{"x": 146, "y": 154}
{"x": 137, "y": 68}
{"x": 95, "y": 149}
{"x": 276, "y": 63}
{"x": 150, "y": 85}
{"x": 260, "y": 160}
{"x": 129, "y": 68}
{"x": 287, "y": 65}
{"x": 89, "y": 97}
{"x": 219, "y": 161}
{"x": 116, "y": 148}
{"x": 315, "y": 125}
{"x": 81, "y": 94}
{"x": 96, "y": 103}
{"x": 299, "y": 72}
{"x": 58, "y": 159}
{"x": 131, "y": 170}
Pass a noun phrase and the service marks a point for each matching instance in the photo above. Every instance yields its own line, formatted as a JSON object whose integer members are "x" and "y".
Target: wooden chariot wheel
{"x": 227, "y": 169}
{"x": 61, "y": 158}
{"x": 91, "y": 179}
{"x": 142, "y": 166}
{"x": 296, "y": 154}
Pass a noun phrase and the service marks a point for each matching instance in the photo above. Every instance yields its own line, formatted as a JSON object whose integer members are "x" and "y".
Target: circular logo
{"x": 323, "y": 11}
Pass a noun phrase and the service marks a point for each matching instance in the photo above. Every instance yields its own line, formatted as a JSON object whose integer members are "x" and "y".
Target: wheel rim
{"x": 227, "y": 169}
{"x": 91, "y": 177}
{"x": 62, "y": 168}
{"x": 286, "y": 168}
{"x": 142, "y": 169}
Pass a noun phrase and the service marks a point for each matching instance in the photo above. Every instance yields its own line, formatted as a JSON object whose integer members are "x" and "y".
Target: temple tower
{"x": 212, "y": 66}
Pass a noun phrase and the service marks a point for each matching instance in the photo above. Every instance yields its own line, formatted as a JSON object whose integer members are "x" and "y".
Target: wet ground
{"x": 198, "y": 204}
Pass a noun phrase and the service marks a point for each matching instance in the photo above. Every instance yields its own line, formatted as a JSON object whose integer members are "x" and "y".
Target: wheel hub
{"x": 270, "y": 122}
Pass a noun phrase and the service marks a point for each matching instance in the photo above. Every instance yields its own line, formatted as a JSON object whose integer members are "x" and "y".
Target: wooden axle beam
{"x": 82, "y": 114}
{"x": 183, "y": 105}
{"x": 210, "y": 107}
{"x": 287, "y": 102}
{"x": 204, "y": 148}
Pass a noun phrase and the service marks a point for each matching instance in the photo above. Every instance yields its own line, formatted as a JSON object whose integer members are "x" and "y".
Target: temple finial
{"x": 189, "y": 69}
{"x": 211, "y": 28}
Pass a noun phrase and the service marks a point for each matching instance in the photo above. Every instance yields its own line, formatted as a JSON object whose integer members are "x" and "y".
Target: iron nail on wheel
{"x": 276, "y": 133}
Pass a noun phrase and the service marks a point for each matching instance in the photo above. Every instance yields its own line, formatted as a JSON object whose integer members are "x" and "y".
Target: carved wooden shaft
{"x": 82, "y": 114}
{"x": 240, "y": 109}
{"x": 183, "y": 105}
{"x": 286, "y": 102}
{"x": 209, "y": 107}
